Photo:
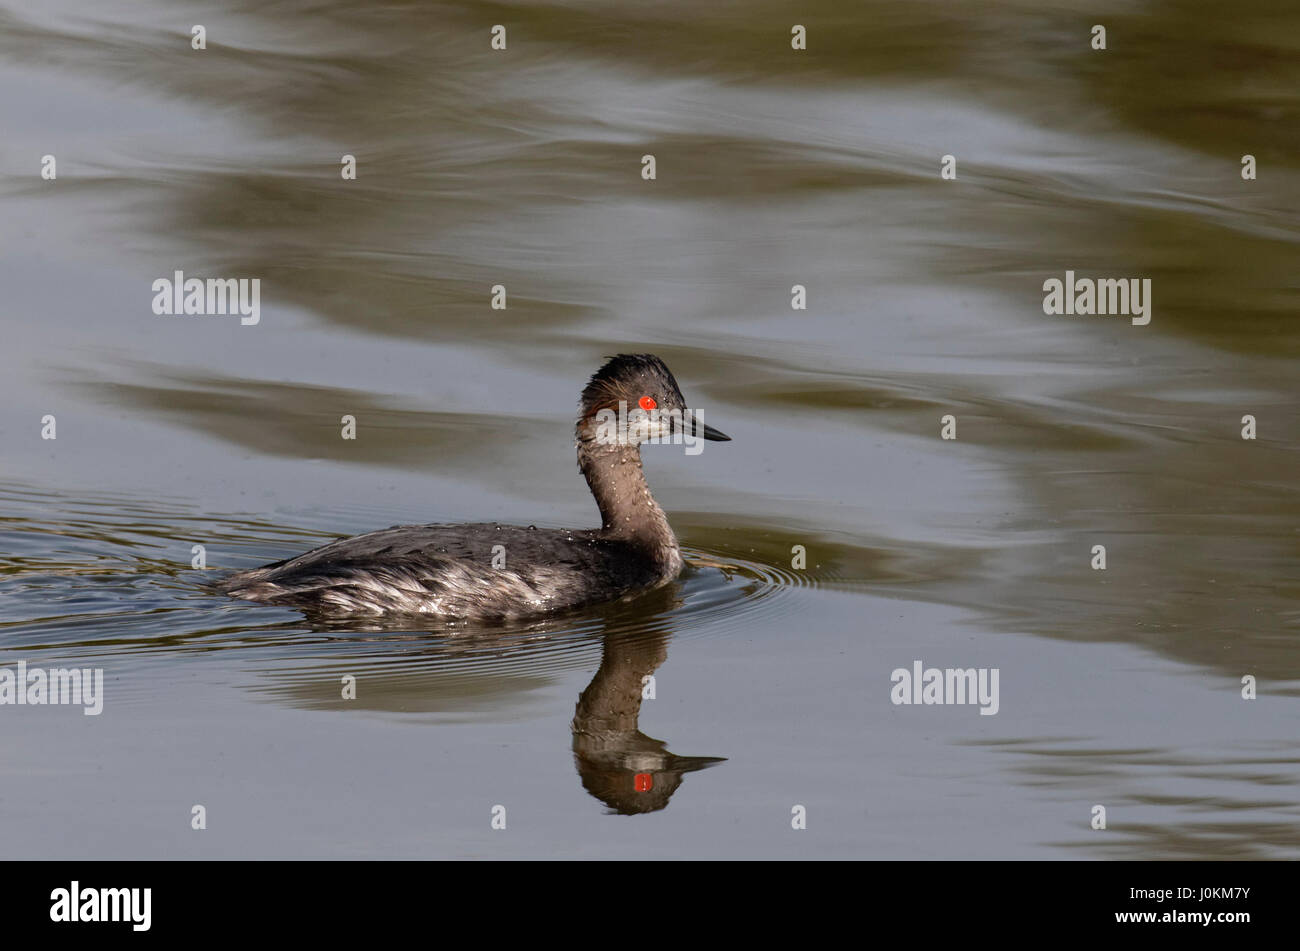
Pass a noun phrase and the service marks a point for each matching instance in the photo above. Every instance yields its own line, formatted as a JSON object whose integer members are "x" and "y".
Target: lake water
{"x": 774, "y": 167}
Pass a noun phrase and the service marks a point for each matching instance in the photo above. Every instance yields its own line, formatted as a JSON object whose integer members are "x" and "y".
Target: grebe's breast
{"x": 473, "y": 571}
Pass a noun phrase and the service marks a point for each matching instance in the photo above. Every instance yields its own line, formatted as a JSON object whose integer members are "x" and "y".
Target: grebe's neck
{"x": 627, "y": 509}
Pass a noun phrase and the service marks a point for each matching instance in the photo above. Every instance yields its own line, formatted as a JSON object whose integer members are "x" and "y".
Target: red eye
{"x": 646, "y": 403}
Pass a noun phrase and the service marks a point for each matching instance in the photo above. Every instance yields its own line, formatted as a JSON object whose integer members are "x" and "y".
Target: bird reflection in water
{"x": 628, "y": 771}
{"x": 622, "y": 767}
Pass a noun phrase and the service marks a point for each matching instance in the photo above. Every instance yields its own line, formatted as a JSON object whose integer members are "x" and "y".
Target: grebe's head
{"x": 634, "y": 399}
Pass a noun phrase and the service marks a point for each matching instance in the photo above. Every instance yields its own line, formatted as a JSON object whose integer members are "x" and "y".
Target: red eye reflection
{"x": 644, "y": 781}
{"x": 646, "y": 403}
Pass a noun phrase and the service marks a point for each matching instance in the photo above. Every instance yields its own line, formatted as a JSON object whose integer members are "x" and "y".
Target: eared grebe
{"x": 486, "y": 571}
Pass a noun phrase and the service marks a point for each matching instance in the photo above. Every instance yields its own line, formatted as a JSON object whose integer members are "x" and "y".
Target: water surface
{"x": 774, "y": 168}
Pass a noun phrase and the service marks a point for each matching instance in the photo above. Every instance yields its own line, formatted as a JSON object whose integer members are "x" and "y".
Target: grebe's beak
{"x": 697, "y": 427}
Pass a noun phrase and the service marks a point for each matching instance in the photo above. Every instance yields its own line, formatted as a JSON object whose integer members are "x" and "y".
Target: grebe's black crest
{"x": 627, "y": 380}
{"x": 629, "y": 377}
{"x": 485, "y": 571}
